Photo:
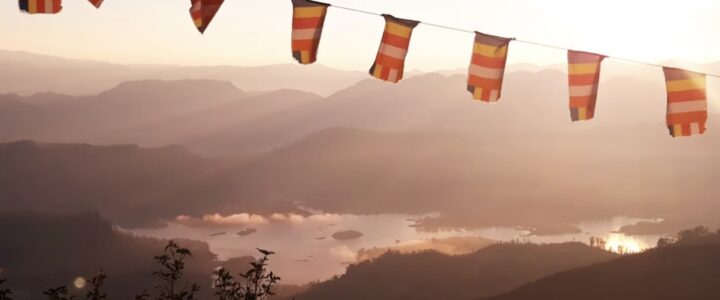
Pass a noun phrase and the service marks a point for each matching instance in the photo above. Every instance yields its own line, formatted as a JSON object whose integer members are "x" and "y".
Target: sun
{"x": 620, "y": 243}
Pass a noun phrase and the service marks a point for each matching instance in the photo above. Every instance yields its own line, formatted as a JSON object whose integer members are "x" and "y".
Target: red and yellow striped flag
{"x": 41, "y": 6}
{"x": 686, "y": 102}
{"x": 487, "y": 67}
{"x": 390, "y": 61}
{"x": 584, "y": 79}
{"x": 97, "y": 3}
{"x": 203, "y": 11}
{"x": 307, "y": 25}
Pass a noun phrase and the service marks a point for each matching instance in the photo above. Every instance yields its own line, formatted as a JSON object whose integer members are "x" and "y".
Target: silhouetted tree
{"x": 255, "y": 284}
{"x": 226, "y": 288}
{"x": 172, "y": 263}
{"x": 144, "y": 295}
{"x": 258, "y": 282}
{"x": 665, "y": 242}
{"x": 597, "y": 242}
{"x": 694, "y": 233}
{"x": 96, "y": 283}
{"x": 59, "y": 293}
{"x": 5, "y": 293}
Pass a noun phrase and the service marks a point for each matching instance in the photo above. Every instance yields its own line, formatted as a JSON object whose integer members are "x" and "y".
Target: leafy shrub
{"x": 255, "y": 284}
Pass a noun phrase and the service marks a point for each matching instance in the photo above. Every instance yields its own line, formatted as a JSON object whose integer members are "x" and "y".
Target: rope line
{"x": 538, "y": 44}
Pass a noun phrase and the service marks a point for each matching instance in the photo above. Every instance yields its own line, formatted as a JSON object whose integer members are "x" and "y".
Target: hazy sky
{"x": 258, "y": 32}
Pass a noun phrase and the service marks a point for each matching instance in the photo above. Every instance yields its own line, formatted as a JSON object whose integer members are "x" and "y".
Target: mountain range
{"x": 86, "y": 146}
{"x": 28, "y": 73}
{"x": 371, "y": 147}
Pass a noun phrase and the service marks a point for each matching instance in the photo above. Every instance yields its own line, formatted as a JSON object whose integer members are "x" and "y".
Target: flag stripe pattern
{"x": 41, "y": 6}
{"x": 203, "y": 12}
{"x": 686, "y": 102}
{"x": 97, "y": 3}
{"x": 487, "y": 67}
{"x": 307, "y": 26}
{"x": 390, "y": 61}
{"x": 584, "y": 79}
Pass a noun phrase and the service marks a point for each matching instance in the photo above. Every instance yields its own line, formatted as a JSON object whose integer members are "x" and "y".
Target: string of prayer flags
{"x": 40, "y": 6}
{"x": 97, "y": 3}
{"x": 584, "y": 79}
{"x": 307, "y": 26}
{"x": 390, "y": 61}
{"x": 203, "y": 12}
{"x": 687, "y": 107}
{"x": 686, "y": 102}
{"x": 487, "y": 67}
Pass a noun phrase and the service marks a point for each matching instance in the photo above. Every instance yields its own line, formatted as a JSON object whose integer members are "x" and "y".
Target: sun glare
{"x": 620, "y": 243}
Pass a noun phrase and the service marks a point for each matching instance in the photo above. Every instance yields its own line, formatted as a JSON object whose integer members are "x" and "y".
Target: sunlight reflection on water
{"x": 307, "y": 251}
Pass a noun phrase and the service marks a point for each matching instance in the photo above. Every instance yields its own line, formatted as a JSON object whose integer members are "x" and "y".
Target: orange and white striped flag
{"x": 97, "y": 3}
{"x": 584, "y": 79}
{"x": 203, "y": 12}
{"x": 40, "y": 6}
{"x": 390, "y": 61}
{"x": 487, "y": 67}
{"x": 307, "y": 26}
{"x": 686, "y": 102}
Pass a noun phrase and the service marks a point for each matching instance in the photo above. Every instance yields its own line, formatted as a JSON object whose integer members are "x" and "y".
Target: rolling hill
{"x": 430, "y": 275}
{"x": 42, "y": 251}
{"x": 482, "y": 182}
{"x": 126, "y": 183}
{"x": 679, "y": 272}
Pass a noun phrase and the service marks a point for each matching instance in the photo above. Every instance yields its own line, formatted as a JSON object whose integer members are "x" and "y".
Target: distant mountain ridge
{"x": 533, "y": 103}
{"x": 153, "y": 111}
{"x": 26, "y": 74}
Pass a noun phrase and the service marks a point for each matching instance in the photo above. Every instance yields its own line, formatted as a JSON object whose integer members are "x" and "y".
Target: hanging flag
{"x": 686, "y": 102}
{"x": 390, "y": 61}
{"x": 487, "y": 67}
{"x": 203, "y": 11}
{"x": 584, "y": 79}
{"x": 97, "y": 3}
{"x": 307, "y": 25}
{"x": 41, "y": 6}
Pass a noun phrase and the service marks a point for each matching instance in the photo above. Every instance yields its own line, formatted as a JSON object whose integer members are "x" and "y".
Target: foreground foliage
{"x": 4, "y": 292}
{"x": 257, "y": 283}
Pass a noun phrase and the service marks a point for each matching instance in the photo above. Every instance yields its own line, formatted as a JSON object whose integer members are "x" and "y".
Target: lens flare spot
{"x": 79, "y": 282}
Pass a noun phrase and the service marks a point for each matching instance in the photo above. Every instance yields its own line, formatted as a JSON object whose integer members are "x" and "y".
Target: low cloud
{"x": 291, "y": 218}
{"x": 245, "y": 219}
{"x": 217, "y": 220}
{"x": 343, "y": 253}
{"x": 300, "y": 219}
